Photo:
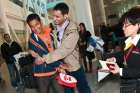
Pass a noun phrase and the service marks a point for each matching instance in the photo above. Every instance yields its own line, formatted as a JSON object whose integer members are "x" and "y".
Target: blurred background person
{"x": 8, "y": 49}
{"x": 83, "y": 44}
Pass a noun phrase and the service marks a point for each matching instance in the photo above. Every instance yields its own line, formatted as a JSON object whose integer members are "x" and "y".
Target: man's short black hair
{"x": 5, "y": 35}
{"x": 62, "y": 7}
{"x": 33, "y": 17}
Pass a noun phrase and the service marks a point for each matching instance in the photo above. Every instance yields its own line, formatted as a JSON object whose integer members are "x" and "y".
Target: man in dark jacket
{"x": 8, "y": 49}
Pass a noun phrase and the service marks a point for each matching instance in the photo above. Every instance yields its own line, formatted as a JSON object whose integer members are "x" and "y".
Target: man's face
{"x": 35, "y": 25}
{"x": 59, "y": 18}
{"x": 7, "y": 38}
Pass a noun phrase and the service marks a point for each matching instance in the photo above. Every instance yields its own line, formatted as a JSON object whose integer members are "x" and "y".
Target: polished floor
{"x": 109, "y": 85}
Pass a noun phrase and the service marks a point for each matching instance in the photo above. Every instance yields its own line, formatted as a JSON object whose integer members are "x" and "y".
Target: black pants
{"x": 90, "y": 56}
{"x": 83, "y": 57}
{"x": 47, "y": 83}
{"x": 130, "y": 86}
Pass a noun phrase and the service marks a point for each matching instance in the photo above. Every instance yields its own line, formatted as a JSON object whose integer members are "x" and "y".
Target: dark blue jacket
{"x": 43, "y": 67}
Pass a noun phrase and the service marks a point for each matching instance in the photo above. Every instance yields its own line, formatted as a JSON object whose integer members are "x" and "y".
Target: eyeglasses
{"x": 126, "y": 25}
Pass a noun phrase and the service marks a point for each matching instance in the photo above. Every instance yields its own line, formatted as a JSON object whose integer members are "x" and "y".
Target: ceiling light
{"x": 115, "y": 1}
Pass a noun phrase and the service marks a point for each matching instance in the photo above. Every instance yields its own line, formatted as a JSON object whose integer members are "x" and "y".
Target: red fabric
{"x": 64, "y": 83}
{"x": 110, "y": 66}
{"x": 46, "y": 38}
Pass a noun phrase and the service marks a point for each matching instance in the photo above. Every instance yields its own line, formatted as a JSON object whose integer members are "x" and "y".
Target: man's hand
{"x": 64, "y": 66}
{"x": 60, "y": 70}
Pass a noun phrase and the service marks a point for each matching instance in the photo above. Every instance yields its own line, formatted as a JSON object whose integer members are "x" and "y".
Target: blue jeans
{"x": 82, "y": 84}
{"x": 14, "y": 75}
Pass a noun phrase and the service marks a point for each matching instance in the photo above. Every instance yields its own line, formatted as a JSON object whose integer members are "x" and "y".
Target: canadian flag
{"x": 66, "y": 80}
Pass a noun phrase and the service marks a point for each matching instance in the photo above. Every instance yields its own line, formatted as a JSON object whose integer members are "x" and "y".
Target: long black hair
{"x": 83, "y": 25}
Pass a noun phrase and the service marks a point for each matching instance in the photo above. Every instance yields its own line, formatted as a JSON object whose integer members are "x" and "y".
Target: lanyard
{"x": 36, "y": 44}
{"x": 128, "y": 54}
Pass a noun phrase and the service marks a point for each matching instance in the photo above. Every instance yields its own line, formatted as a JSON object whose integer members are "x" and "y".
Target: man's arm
{"x": 67, "y": 46}
{"x": 130, "y": 73}
{"x": 18, "y": 47}
{"x": 3, "y": 53}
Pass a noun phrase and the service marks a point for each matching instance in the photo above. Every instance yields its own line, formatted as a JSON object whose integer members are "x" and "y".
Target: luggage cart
{"x": 21, "y": 82}
{"x": 24, "y": 62}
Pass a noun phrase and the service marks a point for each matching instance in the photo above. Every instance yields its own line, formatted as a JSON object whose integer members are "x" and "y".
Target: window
{"x": 31, "y": 9}
{"x": 50, "y": 1}
{"x": 18, "y": 2}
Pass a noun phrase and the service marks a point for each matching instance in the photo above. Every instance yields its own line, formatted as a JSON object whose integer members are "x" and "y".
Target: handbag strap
{"x": 36, "y": 44}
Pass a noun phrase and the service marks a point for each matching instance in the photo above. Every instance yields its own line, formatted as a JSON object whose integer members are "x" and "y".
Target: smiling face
{"x": 35, "y": 25}
{"x": 129, "y": 29}
{"x": 59, "y": 18}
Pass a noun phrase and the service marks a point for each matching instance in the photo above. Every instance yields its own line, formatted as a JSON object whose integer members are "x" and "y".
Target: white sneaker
{"x": 17, "y": 89}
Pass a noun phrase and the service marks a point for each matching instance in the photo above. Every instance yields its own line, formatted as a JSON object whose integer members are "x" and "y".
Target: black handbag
{"x": 90, "y": 55}
{"x": 27, "y": 76}
{"x": 26, "y": 60}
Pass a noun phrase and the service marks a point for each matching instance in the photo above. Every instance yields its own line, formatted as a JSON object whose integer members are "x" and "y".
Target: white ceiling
{"x": 115, "y": 6}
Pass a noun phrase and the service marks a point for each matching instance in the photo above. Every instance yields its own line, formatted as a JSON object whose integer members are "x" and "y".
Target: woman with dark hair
{"x": 83, "y": 44}
{"x": 130, "y": 73}
{"x": 84, "y": 36}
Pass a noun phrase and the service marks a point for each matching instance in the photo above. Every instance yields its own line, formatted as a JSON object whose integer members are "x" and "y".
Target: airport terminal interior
{"x": 94, "y": 13}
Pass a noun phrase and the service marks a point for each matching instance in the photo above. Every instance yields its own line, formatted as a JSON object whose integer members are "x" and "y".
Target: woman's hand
{"x": 115, "y": 69}
{"x": 33, "y": 53}
{"x": 39, "y": 60}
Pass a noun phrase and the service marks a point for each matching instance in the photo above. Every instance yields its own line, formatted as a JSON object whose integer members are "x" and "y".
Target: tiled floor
{"x": 108, "y": 85}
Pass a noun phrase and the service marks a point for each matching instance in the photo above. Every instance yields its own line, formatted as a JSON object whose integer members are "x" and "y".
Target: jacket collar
{"x": 131, "y": 41}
